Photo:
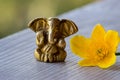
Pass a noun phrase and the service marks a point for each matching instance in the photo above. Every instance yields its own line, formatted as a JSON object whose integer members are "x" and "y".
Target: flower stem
{"x": 117, "y": 53}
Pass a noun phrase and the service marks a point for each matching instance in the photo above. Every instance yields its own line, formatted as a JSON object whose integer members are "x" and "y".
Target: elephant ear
{"x": 67, "y": 28}
{"x": 38, "y": 24}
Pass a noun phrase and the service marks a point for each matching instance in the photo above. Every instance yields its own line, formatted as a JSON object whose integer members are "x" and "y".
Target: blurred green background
{"x": 15, "y": 14}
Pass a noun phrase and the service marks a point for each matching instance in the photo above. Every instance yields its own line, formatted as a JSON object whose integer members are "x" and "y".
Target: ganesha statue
{"x": 50, "y": 34}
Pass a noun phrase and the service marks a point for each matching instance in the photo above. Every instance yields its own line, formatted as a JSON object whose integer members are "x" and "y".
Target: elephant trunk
{"x": 51, "y": 37}
{"x": 52, "y": 31}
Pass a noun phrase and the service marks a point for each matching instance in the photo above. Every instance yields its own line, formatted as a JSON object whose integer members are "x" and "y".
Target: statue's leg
{"x": 48, "y": 57}
{"x": 38, "y": 54}
{"x": 49, "y": 52}
{"x": 44, "y": 57}
{"x": 61, "y": 56}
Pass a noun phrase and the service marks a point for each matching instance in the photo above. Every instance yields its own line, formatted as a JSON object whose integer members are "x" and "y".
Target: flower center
{"x": 102, "y": 53}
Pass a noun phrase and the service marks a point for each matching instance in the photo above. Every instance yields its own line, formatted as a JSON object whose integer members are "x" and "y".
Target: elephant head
{"x": 54, "y": 27}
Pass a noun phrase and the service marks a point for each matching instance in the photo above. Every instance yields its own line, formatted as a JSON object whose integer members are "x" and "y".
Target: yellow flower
{"x": 98, "y": 50}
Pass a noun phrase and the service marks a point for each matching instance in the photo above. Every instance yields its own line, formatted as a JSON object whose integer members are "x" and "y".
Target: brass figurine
{"x": 50, "y": 34}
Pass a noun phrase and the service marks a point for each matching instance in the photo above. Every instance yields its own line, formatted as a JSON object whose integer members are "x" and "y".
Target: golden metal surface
{"x": 50, "y": 34}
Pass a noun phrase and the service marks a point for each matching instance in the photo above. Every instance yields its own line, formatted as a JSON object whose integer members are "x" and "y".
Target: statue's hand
{"x": 61, "y": 43}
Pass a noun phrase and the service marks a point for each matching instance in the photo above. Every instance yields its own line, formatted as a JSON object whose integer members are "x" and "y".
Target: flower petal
{"x": 87, "y": 62}
{"x": 108, "y": 61}
{"x": 98, "y": 33}
{"x": 112, "y": 39}
{"x": 79, "y": 46}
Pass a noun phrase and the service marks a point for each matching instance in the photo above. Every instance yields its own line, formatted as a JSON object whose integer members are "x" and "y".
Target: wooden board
{"x": 17, "y": 61}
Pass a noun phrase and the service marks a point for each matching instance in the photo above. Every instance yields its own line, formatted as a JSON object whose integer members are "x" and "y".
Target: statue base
{"x": 47, "y": 57}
